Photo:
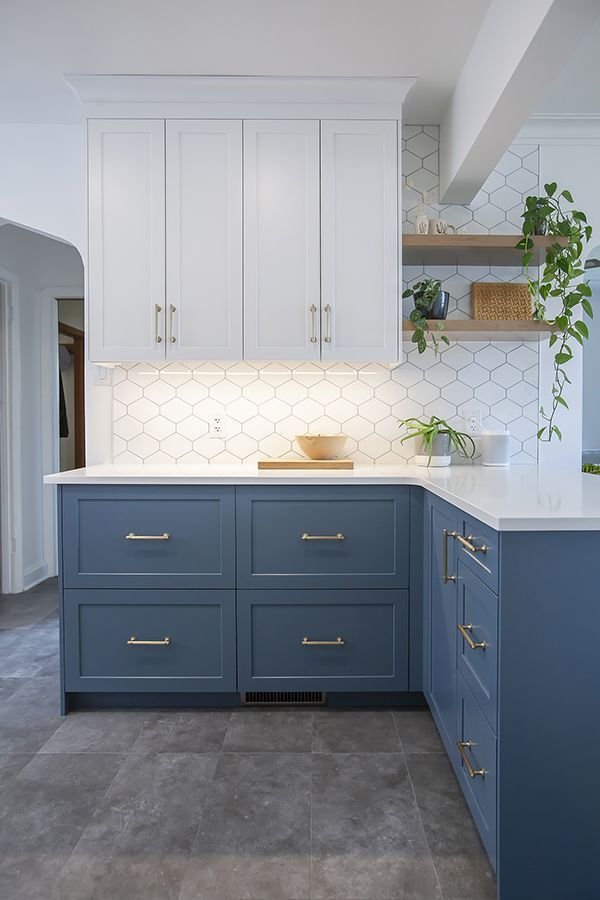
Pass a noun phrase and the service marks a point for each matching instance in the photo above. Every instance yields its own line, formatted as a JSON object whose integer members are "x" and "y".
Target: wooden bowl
{"x": 321, "y": 446}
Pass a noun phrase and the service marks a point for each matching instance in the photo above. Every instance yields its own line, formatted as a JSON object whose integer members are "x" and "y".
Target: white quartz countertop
{"x": 518, "y": 498}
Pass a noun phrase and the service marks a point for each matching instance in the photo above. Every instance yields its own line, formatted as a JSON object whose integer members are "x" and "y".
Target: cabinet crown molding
{"x": 232, "y": 96}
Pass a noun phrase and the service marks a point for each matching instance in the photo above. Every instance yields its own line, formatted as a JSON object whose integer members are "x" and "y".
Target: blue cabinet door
{"x": 440, "y": 619}
{"x": 148, "y": 536}
{"x": 324, "y": 536}
{"x": 478, "y": 657}
{"x": 149, "y": 640}
{"x": 477, "y": 772}
{"x": 323, "y": 640}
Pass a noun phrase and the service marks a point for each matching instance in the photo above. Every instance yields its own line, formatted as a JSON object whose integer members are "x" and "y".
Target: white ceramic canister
{"x": 495, "y": 448}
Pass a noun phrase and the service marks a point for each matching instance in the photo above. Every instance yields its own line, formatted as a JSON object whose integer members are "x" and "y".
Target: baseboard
{"x": 33, "y": 575}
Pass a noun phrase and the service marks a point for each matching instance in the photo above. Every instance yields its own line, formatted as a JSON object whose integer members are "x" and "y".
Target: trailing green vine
{"x": 559, "y": 282}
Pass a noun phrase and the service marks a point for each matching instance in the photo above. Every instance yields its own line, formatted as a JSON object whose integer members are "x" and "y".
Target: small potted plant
{"x": 435, "y": 440}
{"x": 431, "y": 302}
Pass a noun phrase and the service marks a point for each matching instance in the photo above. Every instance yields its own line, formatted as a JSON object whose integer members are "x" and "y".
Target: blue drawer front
{"x": 478, "y": 607}
{"x": 483, "y": 562}
{"x": 199, "y": 551}
{"x": 200, "y": 626}
{"x": 374, "y": 551}
{"x": 373, "y": 626}
{"x": 480, "y": 791}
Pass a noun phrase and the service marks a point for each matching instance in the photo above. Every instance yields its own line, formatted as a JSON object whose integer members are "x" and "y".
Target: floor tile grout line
{"x": 418, "y": 808}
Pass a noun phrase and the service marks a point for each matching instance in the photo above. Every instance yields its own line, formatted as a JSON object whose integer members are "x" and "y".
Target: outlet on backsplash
{"x": 473, "y": 419}
{"x": 218, "y": 427}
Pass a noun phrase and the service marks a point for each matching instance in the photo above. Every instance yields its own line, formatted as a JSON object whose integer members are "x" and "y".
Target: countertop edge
{"x": 503, "y": 521}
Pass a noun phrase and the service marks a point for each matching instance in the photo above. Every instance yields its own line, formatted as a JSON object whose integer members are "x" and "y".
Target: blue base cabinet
{"x": 512, "y": 677}
{"x": 145, "y": 641}
{"x": 323, "y": 640}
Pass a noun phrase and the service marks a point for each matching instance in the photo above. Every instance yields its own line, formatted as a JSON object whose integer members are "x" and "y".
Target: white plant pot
{"x": 434, "y": 461}
{"x": 440, "y": 452}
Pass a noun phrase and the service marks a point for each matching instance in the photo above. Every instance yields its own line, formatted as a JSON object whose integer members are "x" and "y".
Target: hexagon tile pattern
{"x": 162, "y": 412}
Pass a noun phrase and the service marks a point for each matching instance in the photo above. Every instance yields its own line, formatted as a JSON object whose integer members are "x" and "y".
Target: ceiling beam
{"x": 518, "y": 52}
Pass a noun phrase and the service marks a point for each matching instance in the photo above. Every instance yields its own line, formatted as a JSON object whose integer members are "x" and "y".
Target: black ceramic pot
{"x": 439, "y": 309}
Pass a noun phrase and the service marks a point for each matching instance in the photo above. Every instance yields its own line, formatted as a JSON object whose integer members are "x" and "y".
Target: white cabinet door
{"x": 359, "y": 240}
{"x": 126, "y": 253}
{"x": 281, "y": 240}
{"x": 204, "y": 239}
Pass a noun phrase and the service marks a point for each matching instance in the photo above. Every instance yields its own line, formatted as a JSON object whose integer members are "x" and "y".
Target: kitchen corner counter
{"x": 519, "y": 498}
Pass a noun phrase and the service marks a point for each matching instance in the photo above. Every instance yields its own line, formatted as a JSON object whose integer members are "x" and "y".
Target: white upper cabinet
{"x": 204, "y": 239}
{"x": 359, "y": 240}
{"x": 281, "y": 240}
{"x": 126, "y": 259}
{"x": 264, "y": 239}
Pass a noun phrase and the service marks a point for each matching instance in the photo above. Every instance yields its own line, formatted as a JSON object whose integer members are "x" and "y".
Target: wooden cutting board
{"x": 305, "y": 464}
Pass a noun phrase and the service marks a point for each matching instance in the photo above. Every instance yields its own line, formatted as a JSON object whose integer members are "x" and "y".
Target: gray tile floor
{"x": 253, "y": 804}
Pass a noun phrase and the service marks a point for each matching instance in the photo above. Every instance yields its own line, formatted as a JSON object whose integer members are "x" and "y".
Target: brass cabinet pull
{"x": 474, "y": 645}
{"x": 447, "y": 534}
{"x": 323, "y": 537}
{"x": 147, "y": 537}
{"x": 463, "y": 746}
{"x": 313, "y": 312}
{"x": 339, "y": 642}
{"x": 171, "y": 335}
{"x": 468, "y": 544}
{"x": 157, "y": 312}
{"x": 134, "y": 642}
{"x": 327, "y": 337}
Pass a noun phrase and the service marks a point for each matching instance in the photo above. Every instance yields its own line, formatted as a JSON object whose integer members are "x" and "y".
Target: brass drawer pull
{"x": 134, "y": 642}
{"x": 157, "y": 312}
{"x": 463, "y": 746}
{"x": 474, "y": 645}
{"x": 147, "y": 537}
{"x": 447, "y": 534}
{"x": 468, "y": 544}
{"x": 172, "y": 337}
{"x": 339, "y": 642}
{"x": 327, "y": 337}
{"x": 313, "y": 316}
{"x": 323, "y": 537}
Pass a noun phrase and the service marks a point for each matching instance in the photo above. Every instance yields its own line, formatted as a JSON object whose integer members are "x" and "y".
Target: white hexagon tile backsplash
{"x": 161, "y": 413}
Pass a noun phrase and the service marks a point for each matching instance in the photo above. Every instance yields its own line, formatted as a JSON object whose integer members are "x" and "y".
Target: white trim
{"x": 11, "y": 519}
{"x": 35, "y": 574}
{"x": 234, "y": 97}
{"x": 572, "y": 130}
{"x": 50, "y": 412}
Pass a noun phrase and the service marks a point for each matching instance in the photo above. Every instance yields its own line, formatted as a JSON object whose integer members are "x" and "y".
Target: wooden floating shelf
{"x": 469, "y": 249}
{"x": 487, "y": 329}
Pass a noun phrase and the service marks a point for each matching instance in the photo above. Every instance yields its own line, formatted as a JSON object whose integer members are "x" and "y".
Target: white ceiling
{"x": 44, "y": 40}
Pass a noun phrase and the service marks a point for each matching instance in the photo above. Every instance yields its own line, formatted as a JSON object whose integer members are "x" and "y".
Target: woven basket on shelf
{"x": 501, "y": 301}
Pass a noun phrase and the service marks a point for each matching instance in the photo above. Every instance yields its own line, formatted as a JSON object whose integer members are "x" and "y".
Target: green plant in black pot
{"x": 431, "y": 302}
{"x": 436, "y": 439}
{"x": 559, "y": 284}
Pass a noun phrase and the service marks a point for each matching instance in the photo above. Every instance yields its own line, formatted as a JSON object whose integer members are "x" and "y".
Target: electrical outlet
{"x": 472, "y": 420}
{"x": 217, "y": 427}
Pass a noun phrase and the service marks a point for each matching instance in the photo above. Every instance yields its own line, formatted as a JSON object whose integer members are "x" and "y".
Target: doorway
{"x": 71, "y": 383}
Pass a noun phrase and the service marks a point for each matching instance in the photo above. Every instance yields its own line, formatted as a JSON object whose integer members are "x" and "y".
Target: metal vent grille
{"x": 284, "y": 698}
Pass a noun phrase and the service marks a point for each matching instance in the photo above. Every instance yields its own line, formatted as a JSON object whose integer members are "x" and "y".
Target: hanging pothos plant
{"x": 559, "y": 282}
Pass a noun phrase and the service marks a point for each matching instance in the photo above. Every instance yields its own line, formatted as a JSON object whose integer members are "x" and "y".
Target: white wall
{"x": 43, "y": 188}
{"x": 39, "y": 264}
{"x": 573, "y": 164}
{"x": 42, "y": 179}
{"x": 591, "y": 371}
